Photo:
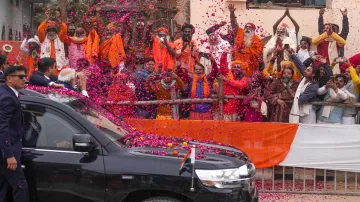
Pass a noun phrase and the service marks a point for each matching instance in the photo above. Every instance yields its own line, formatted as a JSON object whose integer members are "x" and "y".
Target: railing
{"x": 220, "y": 99}
{"x": 285, "y": 3}
{"x": 294, "y": 180}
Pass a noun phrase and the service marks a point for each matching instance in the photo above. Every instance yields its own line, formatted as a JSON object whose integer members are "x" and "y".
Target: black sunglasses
{"x": 21, "y": 76}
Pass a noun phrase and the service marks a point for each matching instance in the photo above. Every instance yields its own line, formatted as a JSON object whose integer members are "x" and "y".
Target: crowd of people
{"x": 275, "y": 82}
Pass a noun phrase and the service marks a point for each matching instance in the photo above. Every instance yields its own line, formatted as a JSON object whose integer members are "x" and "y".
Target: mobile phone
{"x": 287, "y": 46}
{"x": 339, "y": 59}
{"x": 332, "y": 78}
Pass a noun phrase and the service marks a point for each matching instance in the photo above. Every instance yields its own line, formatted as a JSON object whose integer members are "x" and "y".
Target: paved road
{"x": 267, "y": 197}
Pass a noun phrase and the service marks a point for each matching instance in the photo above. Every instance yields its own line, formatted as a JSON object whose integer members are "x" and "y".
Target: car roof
{"x": 40, "y": 98}
{"x": 32, "y": 93}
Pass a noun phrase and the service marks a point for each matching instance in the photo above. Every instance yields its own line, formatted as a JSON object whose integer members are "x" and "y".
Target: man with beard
{"x": 187, "y": 51}
{"x": 282, "y": 38}
{"x": 112, "y": 48}
{"x": 216, "y": 45}
{"x": 248, "y": 46}
{"x": 334, "y": 91}
{"x": 31, "y": 47}
{"x": 52, "y": 42}
{"x": 76, "y": 46}
{"x": 71, "y": 30}
{"x": 166, "y": 89}
{"x": 162, "y": 50}
{"x": 329, "y": 44}
{"x": 143, "y": 40}
{"x": 234, "y": 81}
{"x": 282, "y": 91}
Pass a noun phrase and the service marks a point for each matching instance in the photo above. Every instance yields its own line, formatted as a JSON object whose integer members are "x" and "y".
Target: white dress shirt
{"x": 15, "y": 91}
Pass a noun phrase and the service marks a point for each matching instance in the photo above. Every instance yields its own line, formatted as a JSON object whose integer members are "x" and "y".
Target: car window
{"x": 47, "y": 129}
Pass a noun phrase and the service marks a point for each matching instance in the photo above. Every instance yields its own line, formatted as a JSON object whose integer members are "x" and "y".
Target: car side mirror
{"x": 83, "y": 143}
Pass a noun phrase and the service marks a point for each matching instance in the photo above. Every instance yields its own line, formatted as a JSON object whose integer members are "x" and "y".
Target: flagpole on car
{"x": 192, "y": 189}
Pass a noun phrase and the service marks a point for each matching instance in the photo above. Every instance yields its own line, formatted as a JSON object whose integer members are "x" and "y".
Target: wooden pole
{"x": 221, "y": 100}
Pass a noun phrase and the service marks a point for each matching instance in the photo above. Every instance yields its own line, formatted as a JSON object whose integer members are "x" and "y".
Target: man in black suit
{"x": 3, "y": 64}
{"x": 11, "y": 133}
{"x": 44, "y": 75}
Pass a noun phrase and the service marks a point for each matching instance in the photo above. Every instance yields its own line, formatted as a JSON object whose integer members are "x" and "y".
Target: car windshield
{"x": 110, "y": 125}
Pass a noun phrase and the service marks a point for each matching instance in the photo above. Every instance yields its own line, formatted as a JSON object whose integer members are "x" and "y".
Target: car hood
{"x": 220, "y": 155}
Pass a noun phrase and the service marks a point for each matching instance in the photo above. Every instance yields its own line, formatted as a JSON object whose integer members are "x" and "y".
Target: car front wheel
{"x": 161, "y": 199}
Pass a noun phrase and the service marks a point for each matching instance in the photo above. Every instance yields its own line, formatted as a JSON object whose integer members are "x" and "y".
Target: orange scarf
{"x": 206, "y": 85}
{"x": 113, "y": 50}
{"x": 239, "y": 42}
{"x": 75, "y": 41}
{"x": 162, "y": 56}
{"x": 92, "y": 46}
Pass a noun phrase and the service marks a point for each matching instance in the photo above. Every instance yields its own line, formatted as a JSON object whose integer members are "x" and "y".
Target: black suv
{"x": 74, "y": 151}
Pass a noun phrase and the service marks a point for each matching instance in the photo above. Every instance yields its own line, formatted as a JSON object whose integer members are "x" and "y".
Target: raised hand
{"x": 222, "y": 23}
{"x": 344, "y": 11}
{"x": 322, "y": 12}
{"x": 231, "y": 8}
{"x": 287, "y": 12}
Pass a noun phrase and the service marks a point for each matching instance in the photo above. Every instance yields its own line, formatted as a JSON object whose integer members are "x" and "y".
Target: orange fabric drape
{"x": 206, "y": 86}
{"x": 113, "y": 50}
{"x": 266, "y": 144}
{"x": 31, "y": 65}
{"x": 92, "y": 46}
{"x": 251, "y": 55}
{"x": 162, "y": 56}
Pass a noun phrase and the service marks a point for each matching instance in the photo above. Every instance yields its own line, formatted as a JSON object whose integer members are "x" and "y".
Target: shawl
{"x": 92, "y": 46}
{"x": 296, "y": 110}
{"x": 162, "y": 56}
{"x": 61, "y": 60}
{"x": 113, "y": 50}
{"x": 206, "y": 85}
{"x": 174, "y": 107}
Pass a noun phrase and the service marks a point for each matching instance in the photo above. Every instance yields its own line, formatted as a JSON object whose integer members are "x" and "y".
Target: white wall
{"x": 202, "y": 12}
{"x": 13, "y": 17}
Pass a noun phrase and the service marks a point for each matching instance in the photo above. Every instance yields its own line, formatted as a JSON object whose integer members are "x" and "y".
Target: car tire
{"x": 161, "y": 199}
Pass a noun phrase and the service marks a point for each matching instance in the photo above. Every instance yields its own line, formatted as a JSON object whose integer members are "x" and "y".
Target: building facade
{"x": 15, "y": 15}
{"x": 206, "y": 13}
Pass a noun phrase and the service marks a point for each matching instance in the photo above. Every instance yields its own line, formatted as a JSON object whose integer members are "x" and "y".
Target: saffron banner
{"x": 266, "y": 144}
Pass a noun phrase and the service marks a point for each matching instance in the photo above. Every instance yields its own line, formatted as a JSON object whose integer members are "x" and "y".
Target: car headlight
{"x": 226, "y": 178}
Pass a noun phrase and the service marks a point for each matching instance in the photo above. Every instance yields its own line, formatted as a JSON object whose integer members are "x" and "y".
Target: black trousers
{"x": 14, "y": 179}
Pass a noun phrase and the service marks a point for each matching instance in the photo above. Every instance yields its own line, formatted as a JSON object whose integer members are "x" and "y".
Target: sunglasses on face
{"x": 20, "y": 76}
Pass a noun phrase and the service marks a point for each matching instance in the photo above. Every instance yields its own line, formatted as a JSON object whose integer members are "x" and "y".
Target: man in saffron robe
{"x": 52, "y": 43}
{"x": 248, "y": 46}
{"x": 31, "y": 47}
{"x": 112, "y": 48}
{"x": 187, "y": 51}
{"x": 163, "y": 52}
